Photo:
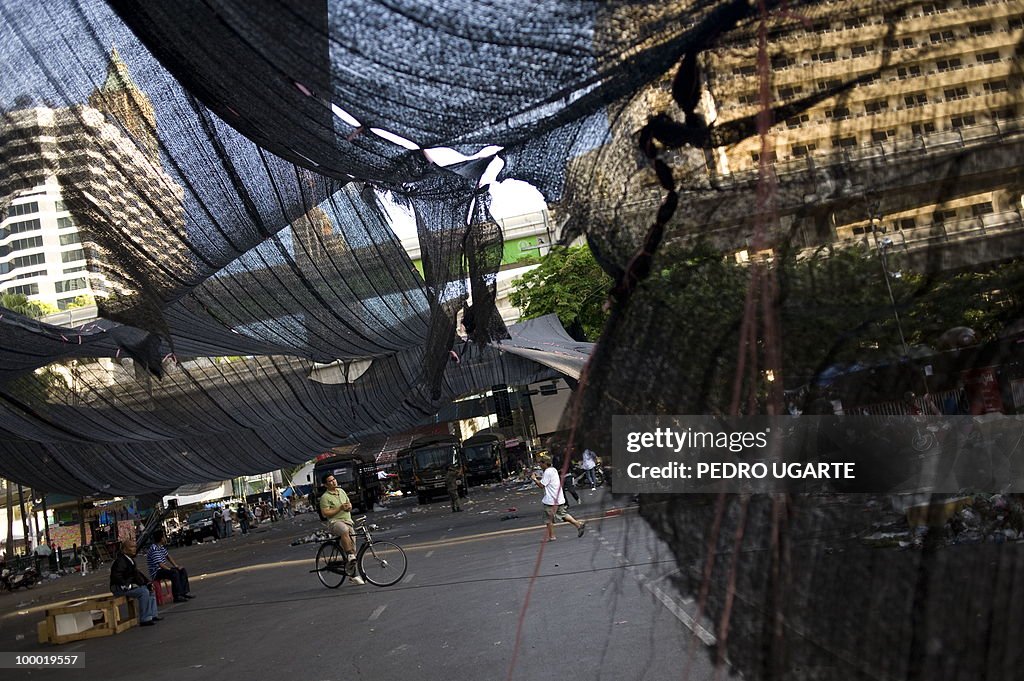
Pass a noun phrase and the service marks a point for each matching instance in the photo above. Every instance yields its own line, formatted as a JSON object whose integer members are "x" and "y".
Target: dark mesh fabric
{"x": 226, "y": 162}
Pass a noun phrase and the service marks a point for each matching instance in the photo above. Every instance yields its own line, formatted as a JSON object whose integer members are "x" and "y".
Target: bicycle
{"x": 380, "y": 562}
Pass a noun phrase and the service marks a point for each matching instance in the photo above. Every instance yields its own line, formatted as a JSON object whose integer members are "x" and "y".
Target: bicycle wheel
{"x": 382, "y": 563}
{"x": 330, "y": 565}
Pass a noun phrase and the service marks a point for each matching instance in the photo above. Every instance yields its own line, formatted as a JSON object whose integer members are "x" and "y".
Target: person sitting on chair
{"x": 162, "y": 566}
{"x": 127, "y": 580}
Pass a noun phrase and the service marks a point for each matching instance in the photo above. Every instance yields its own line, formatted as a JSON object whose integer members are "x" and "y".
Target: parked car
{"x": 200, "y": 526}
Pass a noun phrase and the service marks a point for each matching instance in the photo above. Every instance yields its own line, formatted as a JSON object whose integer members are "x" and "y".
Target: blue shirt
{"x": 157, "y": 554}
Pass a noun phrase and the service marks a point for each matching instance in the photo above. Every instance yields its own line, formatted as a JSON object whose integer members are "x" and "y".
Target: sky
{"x": 508, "y": 197}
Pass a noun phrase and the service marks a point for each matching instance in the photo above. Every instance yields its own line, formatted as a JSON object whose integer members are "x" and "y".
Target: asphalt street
{"x": 484, "y": 598}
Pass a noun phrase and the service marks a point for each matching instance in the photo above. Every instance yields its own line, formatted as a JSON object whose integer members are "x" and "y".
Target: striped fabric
{"x": 157, "y": 554}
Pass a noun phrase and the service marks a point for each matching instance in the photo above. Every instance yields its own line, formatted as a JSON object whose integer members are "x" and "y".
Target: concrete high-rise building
{"x": 84, "y": 190}
{"x": 940, "y": 77}
{"x": 910, "y": 131}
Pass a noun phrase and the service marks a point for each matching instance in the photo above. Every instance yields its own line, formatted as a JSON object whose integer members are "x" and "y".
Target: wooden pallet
{"x": 75, "y": 621}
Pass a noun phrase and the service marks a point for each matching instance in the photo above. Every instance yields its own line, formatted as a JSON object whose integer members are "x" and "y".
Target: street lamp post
{"x": 883, "y": 246}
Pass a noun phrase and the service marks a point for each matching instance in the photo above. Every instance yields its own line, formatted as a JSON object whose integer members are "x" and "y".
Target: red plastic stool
{"x": 162, "y": 591}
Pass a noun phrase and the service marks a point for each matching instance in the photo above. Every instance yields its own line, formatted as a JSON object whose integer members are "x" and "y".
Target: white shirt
{"x": 552, "y": 482}
{"x": 226, "y": 515}
{"x": 589, "y": 460}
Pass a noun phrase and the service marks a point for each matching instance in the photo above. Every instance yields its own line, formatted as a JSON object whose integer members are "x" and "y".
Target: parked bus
{"x": 485, "y": 457}
{"x": 355, "y": 475}
{"x": 431, "y": 457}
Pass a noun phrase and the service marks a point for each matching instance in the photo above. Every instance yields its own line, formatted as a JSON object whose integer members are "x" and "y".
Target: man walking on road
{"x": 451, "y": 483}
{"x": 554, "y": 499}
{"x": 337, "y": 510}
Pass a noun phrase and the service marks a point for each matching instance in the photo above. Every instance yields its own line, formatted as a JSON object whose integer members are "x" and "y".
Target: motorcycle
{"x": 11, "y": 580}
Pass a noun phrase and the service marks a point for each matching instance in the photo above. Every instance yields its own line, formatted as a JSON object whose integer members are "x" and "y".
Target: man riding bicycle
{"x": 336, "y": 509}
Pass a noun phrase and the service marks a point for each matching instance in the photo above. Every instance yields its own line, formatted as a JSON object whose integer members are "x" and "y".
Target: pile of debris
{"x": 972, "y": 519}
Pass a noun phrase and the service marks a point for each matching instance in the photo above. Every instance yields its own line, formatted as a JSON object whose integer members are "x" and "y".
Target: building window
{"x": 825, "y": 57}
{"x": 790, "y": 91}
{"x": 996, "y": 86}
{"x": 29, "y": 275}
{"x": 861, "y": 50}
{"x": 65, "y": 303}
{"x": 73, "y": 238}
{"x": 770, "y": 158}
{"x": 59, "y": 206}
{"x": 25, "y": 289}
{"x": 904, "y": 223}
{"x": 942, "y": 37}
{"x": 749, "y": 98}
{"x": 782, "y": 61}
{"x": 917, "y": 99}
{"x": 839, "y": 113}
{"x": 962, "y": 121}
{"x": 908, "y": 72}
{"x": 72, "y": 255}
{"x": 25, "y": 244}
{"x": 28, "y": 260}
{"x": 981, "y": 29}
{"x": 955, "y": 93}
{"x": 940, "y": 216}
{"x": 876, "y": 106}
{"x": 949, "y": 64}
{"x": 855, "y": 22}
{"x": 65, "y": 223}
{"x": 1016, "y": 22}
{"x": 831, "y": 84}
{"x": 803, "y": 149}
{"x": 23, "y": 209}
{"x": 882, "y": 135}
{"x": 841, "y": 142}
{"x": 1004, "y": 114}
{"x": 70, "y": 285}
{"x": 980, "y": 209}
{"x": 922, "y": 128}
{"x": 796, "y": 121}
{"x": 19, "y": 227}
{"x": 746, "y": 70}
{"x": 72, "y": 270}
{"x": 988, "y": 58}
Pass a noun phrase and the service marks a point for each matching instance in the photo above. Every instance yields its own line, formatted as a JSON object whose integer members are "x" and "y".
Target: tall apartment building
{"x": 943, "y": 74}
{"x": 96, "y": 160}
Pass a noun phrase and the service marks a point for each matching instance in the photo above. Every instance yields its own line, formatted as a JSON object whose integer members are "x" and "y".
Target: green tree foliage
{"x": 569, "y": 283}
{"x": 81, "y": 301}
{"x": 684, "y": 320}
{"x": 17, "y": 302}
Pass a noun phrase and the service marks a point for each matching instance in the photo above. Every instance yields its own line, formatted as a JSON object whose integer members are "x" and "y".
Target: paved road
{"x": 483, "y": 599}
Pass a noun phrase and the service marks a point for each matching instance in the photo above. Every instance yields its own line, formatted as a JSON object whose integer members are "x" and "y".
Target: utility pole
{"x": 10, "y": 520}
{"x": 26, "y": 532}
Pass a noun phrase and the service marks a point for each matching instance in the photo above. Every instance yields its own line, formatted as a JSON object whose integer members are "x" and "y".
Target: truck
{"x": 356, "y": 475}
{"x": 431, "y": 457}
{"x": 485, "y": 457}
{"x": 403, "y": 461}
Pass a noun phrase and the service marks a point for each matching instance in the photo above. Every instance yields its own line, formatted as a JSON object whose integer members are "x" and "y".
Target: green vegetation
{"x": 831, "y": 309}
{"x": 17, "y": 302}
{"x": 569, "y": 283}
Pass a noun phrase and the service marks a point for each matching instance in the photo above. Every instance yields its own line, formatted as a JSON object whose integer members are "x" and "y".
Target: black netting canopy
{"x": 803, "y": 207}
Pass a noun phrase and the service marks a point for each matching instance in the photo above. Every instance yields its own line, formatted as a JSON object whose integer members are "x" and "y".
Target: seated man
{"x": 337, "y": 511}
{"x": 162, "y": 566}
{"x": 127, "y": 580}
